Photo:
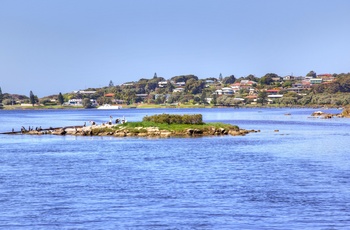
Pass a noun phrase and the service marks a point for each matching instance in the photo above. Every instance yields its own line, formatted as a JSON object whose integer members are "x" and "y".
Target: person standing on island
{"x": 110, "y": 120}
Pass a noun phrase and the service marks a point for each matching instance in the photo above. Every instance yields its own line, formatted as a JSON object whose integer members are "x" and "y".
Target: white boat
{"x": 108, "y": 106}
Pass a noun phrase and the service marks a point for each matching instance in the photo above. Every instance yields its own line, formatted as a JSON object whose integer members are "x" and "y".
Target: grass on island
{"x": 177, "y": 124}
{"x": 177, "y": 127}
{"x": 142, "y": 126}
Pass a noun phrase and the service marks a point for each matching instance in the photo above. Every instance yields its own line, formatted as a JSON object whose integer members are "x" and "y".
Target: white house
{"x": 178, "y": 90}
{"x": 275, "y": 96}
{"x": 75, "y": 102}
{"x": 181, "y": 83}
{"x": 162, "y": 84}
{"x": 79, "y": 102}
{"x": 218, "y": 92}
{"x": 236, "y": 86}
{"x": 84, "y": 91}
{"x": 316, "y": 81}
{"x": 227, "y": 91}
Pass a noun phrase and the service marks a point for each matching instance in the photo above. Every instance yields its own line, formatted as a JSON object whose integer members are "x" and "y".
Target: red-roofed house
{"x": 236, "y": 86}
{"x": 272, "y": 91}
{"x": 109, "y": 95}
{"x": 326, "y": 77}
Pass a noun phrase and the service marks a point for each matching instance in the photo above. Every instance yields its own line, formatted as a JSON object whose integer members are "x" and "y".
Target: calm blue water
{"x": 297, "y": 178}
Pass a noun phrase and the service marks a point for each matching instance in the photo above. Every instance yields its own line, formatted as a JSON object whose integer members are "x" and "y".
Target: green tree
{"x": 194, "y": 86}
{"x": 311, "y": 74}
{"x": 110, "y": 83}
{"x": 214, "y": 100}
{"x": 150, "y": 86}
{"x": 32, "y": 98}
{"x": 160, "y": 99}
{"x": 87, "y": 103}
{"x": 1, "y": 96}
{"x": 60, "y": 98}
{"x": 229, "y": 80}
{"x": 203, "y": 97}
{"x": 251, "y": 77}
{"x": 287, "y": 84}
{"x": 169, "y": 87}
{"x": 7, "y": 101}
{"x": 262, "y": 96}
{"x": 196, "y": 99}
{"x": 184, "y": 78}
{"x": 268, "y": 78}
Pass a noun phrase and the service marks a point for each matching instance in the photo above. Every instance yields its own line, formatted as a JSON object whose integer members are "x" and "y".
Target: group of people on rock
{"x": 117, "y": 121}
{"x": 23, "y": 129}
{"x": 92, "y": 123}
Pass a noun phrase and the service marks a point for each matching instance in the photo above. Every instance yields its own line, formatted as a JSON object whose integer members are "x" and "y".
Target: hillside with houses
{"x": 189, "y": 90}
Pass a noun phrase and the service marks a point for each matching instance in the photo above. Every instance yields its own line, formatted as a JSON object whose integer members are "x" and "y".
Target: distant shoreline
{"x": 152, "y": 106}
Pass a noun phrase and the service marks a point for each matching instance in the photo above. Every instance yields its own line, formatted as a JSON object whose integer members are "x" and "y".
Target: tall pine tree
{"x": 60, "y": 98}
{"x": 31, "y": 98}
{"x": 1, "y": 96}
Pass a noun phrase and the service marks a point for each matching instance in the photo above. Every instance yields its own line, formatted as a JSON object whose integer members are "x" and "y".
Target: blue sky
{"x": 63, "y": 45}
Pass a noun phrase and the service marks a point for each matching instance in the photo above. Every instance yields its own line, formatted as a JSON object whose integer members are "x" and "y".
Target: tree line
{"x": 197, "y": 91}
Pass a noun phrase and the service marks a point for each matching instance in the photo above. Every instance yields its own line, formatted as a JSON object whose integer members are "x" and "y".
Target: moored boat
{"x": 108, "y": 106}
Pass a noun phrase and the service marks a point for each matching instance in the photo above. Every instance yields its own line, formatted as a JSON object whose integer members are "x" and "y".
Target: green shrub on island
{"x": 177, "y": 124}
{"x": 175, "y": 119}
{"x": 139, "y": 127}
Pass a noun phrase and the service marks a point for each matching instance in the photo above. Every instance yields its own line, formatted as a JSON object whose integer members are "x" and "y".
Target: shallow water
{"x": 292, "y": 179}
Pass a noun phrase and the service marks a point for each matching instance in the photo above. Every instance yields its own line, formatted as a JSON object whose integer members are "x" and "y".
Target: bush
{"x": 175, "y": 119}
{"x": 7, "y": 102}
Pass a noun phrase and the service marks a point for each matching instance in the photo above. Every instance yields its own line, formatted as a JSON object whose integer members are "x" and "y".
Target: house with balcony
{"x": 247, "y": 84}
{"x": 326, "y": 77}
{"x": 84, "y": 92}
{"x": 179, "y": 84}
{"x": 227, "y": 91}
{"x": 314, "y": 81}
{"x": 218, "y": 92}
{"x": 142, "y": 95}
{"x": 209, "y": 83}
{"x": 236, "y": 87}
{"x": 162, "y": 84}
{"x": 178, "y": 90}
{"x": 75, "y": 102}
{"x": 272, "y": 91}
{"x": 288, "y": 78}
{"x": 79, "y": 102}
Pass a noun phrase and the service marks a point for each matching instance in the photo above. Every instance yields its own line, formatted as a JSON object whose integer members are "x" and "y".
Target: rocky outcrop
{"x": 121, "y": 131}
{"x": 323, "y": 115}
{"x": 317, "y": 113}
{"x": 346, "y": 112}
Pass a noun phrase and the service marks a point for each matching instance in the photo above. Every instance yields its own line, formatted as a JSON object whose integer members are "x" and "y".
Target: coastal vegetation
{"x": 162, "y": 125}
{"x": 178, "y": 124}
{"x": 166, "y": 125}
{"x": 311, "y": 90}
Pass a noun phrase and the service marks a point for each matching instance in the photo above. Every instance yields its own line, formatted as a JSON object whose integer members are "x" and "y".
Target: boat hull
{"x": 109, "y": 107}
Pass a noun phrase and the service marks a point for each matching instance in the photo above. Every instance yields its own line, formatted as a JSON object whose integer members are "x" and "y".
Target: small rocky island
{"x": 162, "y": 125}
{"x": 344, "y": 114}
